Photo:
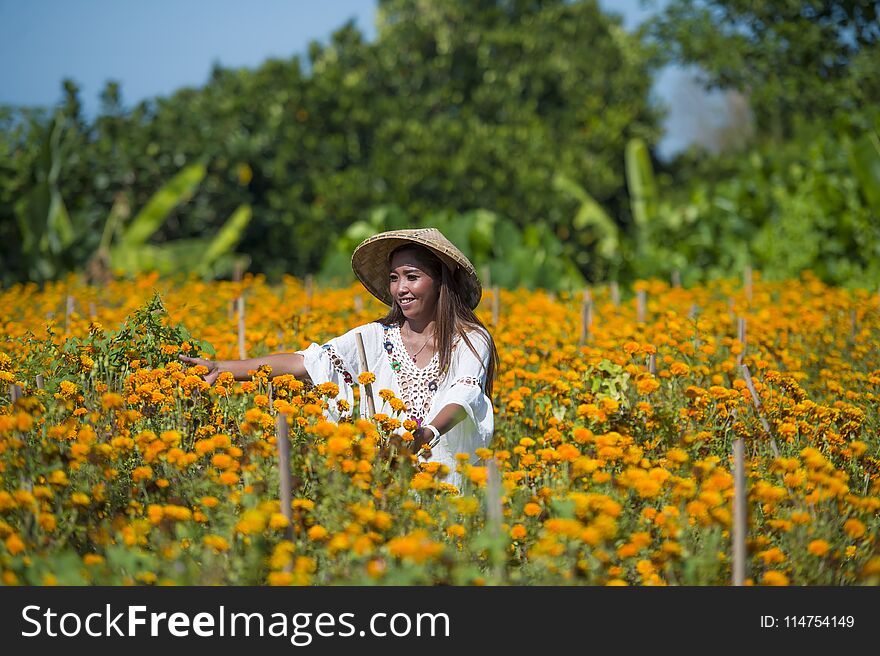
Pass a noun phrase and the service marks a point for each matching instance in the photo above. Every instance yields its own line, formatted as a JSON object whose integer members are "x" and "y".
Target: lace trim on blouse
{"x": 338, "y": 363}
{"x": 417, "y": 386}
{"x": 474, "y": 382}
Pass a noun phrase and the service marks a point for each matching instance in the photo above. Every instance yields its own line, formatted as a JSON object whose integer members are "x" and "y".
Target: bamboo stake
{"x": 496, "y": 306}
{"x": 739, "y": 513}
{"x": 368, "y": 388}
{"x": 615, "y": 293}
{"x": 741, "y": 337}
{"x": 68, "y": 311}
{"x": 641, "y": 304}
{"x": 284, "y": 478}
{"x": 310, "y": 290}
{"x": 586, "y": 317}
{"x": 242, "y": 354}
{"x": 652, "y": 364}
{"x": 757, "y": 402}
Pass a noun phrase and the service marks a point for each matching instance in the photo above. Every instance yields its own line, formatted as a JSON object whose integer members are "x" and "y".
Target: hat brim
{"x": 370, "y": 263}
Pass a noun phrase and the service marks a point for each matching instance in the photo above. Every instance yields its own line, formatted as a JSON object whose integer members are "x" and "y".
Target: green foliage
{"x": 455, "y": 107}
{"x": 531, "y": 258}
{"x": 811, "y": 58}
{"x": 147, "y": 335}
{"x": 781, "y": 209}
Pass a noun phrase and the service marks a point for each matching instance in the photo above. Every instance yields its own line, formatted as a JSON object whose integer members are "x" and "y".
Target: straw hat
{"x": 370, "y": 262}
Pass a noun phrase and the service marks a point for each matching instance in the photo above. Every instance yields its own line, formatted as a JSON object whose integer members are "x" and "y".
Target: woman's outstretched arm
{"x": 282, "y": 364}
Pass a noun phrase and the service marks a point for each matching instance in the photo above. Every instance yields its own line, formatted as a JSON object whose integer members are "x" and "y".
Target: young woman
{"x": 430, "y": 349}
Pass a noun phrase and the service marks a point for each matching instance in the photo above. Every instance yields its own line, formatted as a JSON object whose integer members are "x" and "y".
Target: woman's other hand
{"x": 212, "y": 367}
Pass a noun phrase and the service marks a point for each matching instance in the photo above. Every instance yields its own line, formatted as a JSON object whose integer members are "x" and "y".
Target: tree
{"x": 813, "y": 59}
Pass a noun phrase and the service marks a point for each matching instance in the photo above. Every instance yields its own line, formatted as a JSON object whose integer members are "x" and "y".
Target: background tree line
{"x": 524, "y": 126}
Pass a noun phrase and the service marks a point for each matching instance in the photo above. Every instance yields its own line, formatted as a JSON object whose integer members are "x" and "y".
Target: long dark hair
{"x": 452, "y": 314}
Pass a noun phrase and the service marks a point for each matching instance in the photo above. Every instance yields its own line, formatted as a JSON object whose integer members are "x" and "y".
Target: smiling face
{"x": 412, "y": 286}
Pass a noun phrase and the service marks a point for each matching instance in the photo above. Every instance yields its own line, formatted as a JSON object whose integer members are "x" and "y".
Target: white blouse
{"x": 424, "y": 390}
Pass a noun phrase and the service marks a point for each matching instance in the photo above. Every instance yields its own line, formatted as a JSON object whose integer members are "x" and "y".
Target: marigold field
{"x": 118, "y": 465}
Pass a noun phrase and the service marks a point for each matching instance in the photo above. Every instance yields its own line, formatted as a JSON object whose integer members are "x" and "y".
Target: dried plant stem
{"x": 747, "y": 376}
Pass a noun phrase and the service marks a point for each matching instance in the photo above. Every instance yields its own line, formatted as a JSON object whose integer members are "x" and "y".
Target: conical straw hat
{"x": 370, "y": 262}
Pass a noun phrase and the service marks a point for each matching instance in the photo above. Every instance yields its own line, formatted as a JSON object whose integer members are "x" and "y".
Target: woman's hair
{"x": 453, "y": 316}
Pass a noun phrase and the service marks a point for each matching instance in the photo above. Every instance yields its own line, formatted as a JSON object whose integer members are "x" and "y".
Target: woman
{"x": 430, "y": 349}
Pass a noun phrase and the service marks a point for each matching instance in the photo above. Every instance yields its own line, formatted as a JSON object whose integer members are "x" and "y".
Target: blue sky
{"x": 154, "y": 47}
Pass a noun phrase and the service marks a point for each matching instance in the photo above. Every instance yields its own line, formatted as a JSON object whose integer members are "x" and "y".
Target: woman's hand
{"x": 212, "y": 367}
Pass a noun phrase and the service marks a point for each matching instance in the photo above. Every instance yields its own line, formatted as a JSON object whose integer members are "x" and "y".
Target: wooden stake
{"x": 641, "y": 304}
{"x": 242, "y": 354}
{"x": 358, "y": 304}
{"x": 739, "y": 513}
{"x": 284, "y": 478}
{"x": 652, "y": 364}
{"x": 741, "y": 337}
{"x": 615, "y": 293}
{"x": 368, "y": 388}
{"x": 496, "y": 306}
{"x": 68, "y": 312}
{"x": 853, "y": 324}
{"x": 486, "y": 275}
{"x": 676, "y": 278}
{"x": 40, "y": 383}
{"x": 92, "y": 310}
{"x": 586, "y": 317}
{"x": 310, "y": 287}
{"x": 14, "y": 393}
{"x": 748, "y": 378}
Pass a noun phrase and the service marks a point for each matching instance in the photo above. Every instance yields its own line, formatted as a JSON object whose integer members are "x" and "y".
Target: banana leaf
{"x": 227, "y": 237}
{"x": 174, "y": 192}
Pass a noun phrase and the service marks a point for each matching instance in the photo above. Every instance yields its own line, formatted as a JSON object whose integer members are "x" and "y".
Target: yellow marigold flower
{"x": 854, "y": 528}
{"x": 532, "y": 509}
{"x": 818, "y": 548}
{"x": 216, "y": 542}
{"x": 92, "y": 559}
{"x": 367, "y": 378}
{"x": 616, "y": 582}
{"x": 251, "y": 522}
{"x": 278, "y": 520}
{"x": 774, "y": 577}
{"x": 317, "y": 533}
{"x": 280, "y": 578}
{"x": 456, "y": 531}
{"x": 142, "y": 474}
{"x": 679, "y": 369}
{"x": 80, "y": 499}
{"x": 518, "y": 532}
{"x": 229, "y": 478}
{"x": 47, "y": 522}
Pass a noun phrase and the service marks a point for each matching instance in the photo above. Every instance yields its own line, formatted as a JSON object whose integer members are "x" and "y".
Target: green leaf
{"x": 176, "y": 191}
{"x": 227, "y": 237}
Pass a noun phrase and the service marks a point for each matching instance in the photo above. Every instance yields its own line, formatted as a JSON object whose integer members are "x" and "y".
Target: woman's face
{"x": 412, "y": 287}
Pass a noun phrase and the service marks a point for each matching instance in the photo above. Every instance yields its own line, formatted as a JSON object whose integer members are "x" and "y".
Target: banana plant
{"x": 43, "y": 222}
{"x": 642, "y": 189}
{"x": 126, "y": 251}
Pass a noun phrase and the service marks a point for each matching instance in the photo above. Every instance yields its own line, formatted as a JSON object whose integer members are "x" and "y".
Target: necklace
{"x": 422, "y": 348}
